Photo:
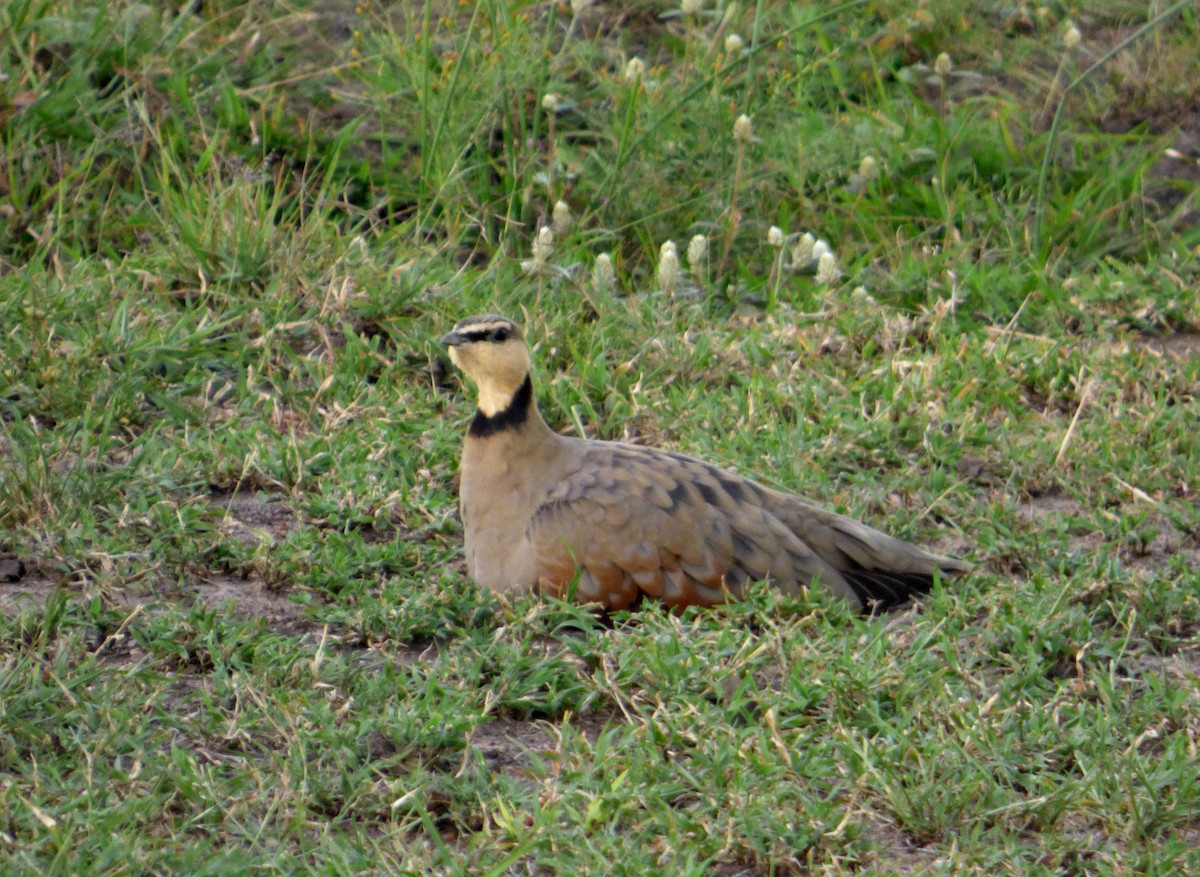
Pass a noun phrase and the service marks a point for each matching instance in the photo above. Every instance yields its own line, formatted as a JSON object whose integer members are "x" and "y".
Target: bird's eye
{"x": 500, "y": 334}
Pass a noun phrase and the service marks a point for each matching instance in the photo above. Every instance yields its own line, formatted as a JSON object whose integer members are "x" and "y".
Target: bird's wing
{"x": 879, "y": 568}
{"x": 629, "y": 520}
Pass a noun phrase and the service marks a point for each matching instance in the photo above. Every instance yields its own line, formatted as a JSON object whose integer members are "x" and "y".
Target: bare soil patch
{"x": 898, "y": 849}
{"x": 1181, "y": 345}
{"x": 254, "y": 517}
{"x": 1050, "y": 504}
{"x": 249, "y": 598}
{"x": 25, "y": 590}
{"x": 507, "y": 743}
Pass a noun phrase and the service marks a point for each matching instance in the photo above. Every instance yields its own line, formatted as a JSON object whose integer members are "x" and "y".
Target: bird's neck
{"x": 504, "y": 412}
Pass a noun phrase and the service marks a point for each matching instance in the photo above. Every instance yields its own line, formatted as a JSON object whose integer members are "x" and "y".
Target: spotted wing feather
{"x": 629, "y": 521}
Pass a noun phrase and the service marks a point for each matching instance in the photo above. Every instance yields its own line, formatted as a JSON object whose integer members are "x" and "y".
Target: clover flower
{"x": 697, "y": 253}
{"x": 668, "y": 268}
{"x": 561, "y": 219}
{"x": 743, "y": 129}
{"x": 603, "y": 274}
{"x": 827, "y": 269}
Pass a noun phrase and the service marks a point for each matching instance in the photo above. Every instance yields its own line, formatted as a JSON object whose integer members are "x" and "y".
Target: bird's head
{"x": 491, "y": 351}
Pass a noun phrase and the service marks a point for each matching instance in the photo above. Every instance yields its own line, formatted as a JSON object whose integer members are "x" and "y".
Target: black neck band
{"x": 510, "y": 418}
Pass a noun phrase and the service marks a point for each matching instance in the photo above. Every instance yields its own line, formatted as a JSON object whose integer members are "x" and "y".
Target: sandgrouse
{"x": 610, "y": 522}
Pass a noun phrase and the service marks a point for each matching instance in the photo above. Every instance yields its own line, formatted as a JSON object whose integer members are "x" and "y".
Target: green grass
{"x": 230, "y": 235}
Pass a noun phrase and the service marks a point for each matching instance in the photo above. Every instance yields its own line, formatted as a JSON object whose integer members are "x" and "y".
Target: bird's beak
{"x": 453, "y": 339}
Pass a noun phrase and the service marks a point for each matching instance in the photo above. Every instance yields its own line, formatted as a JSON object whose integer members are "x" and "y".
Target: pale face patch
{"x": 497, "y": 367}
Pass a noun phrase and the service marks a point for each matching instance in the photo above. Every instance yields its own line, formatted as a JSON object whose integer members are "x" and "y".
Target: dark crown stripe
{"x": 510, "y": 418}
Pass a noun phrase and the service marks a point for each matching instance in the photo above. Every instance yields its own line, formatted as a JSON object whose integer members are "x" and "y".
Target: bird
{"x": 611, "y": 523}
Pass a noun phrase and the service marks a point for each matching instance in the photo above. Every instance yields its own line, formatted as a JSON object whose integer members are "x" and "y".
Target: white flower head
{"x": 543, "y": 244}
{"x": 550, "y": 102}
{"x": 743, "y": 129}
{"x": 820, "y": 248}
{"x": 827, "y": 269}
{"x": 697, "y": 252}
{"x": 868, "y": 168}
{"x": 802, "y": 250}
{"x": 1072, "y": 37}
{"x": 861, "y": 297}
{"x": 668, "y": 268}
{"x": 690, "y": 7}
{"x": 635, "y": 69}
{"x": 603, "y": 273}
{"x": 943, "y": 65}
{"x": 733, "y": 44}
{"x": 561, "y": 219}
{"x": 775, "y": 236}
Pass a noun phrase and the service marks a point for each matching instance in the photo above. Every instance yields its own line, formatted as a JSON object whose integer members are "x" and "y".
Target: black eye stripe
{"x": 499, "y": 333}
